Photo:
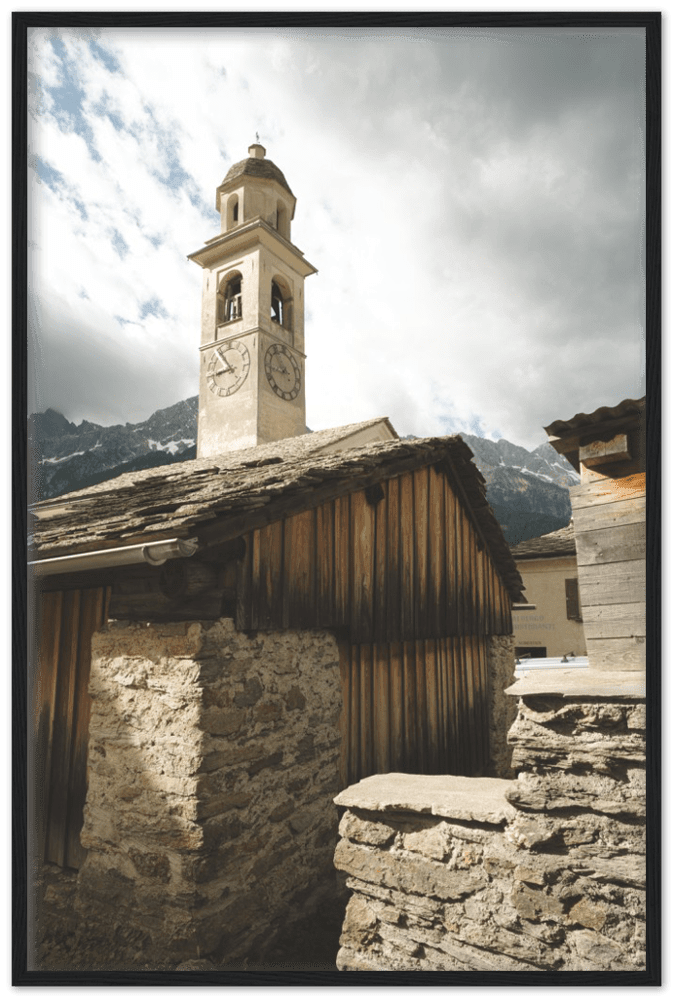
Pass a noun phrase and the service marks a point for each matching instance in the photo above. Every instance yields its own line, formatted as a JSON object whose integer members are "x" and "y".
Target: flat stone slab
{"x": 448, "y": 795}
{"x": 572, "y": 683}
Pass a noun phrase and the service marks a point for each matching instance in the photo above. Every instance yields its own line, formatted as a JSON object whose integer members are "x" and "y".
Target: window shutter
{"x": 572, "y": 599}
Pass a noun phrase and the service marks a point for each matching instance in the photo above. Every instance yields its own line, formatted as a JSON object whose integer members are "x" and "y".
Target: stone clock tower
{"x": 252, "y": 360}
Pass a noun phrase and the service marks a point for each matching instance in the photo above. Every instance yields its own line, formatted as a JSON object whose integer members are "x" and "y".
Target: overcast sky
{"x": 473, "y": 201}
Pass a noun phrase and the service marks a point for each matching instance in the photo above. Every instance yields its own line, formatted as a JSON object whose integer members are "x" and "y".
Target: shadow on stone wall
{"x": 209, "y": 822}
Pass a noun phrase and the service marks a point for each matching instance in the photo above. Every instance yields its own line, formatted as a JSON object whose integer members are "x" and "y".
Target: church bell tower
{"x": 252, "y": 360}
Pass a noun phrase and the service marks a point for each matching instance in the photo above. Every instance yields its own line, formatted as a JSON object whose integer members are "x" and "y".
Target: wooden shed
{"x": 392, "y": 547}
{"x": 608, "y": 448}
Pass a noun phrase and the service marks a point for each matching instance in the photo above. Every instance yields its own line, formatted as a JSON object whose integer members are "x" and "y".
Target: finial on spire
{"x": 257, "y": 137}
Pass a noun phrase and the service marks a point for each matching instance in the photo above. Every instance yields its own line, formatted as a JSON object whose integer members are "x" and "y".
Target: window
{"x": 572, "y": 600}
{"x": 530, "y": 652}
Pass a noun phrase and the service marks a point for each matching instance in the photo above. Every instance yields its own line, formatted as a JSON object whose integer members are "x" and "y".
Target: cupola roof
{"x": 257, "y": 166}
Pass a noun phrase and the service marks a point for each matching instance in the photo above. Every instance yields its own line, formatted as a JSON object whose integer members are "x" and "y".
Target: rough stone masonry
{"x": 213, "y": 761}
{"x": 546, "y": 872}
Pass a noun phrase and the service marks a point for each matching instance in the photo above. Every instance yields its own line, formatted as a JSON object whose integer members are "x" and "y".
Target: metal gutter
{"x": 153, "y": 553}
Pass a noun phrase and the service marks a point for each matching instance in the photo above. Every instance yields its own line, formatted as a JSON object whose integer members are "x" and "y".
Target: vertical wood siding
{"x": 415, "y": 707}
{"x": 409, "y": 566}
{"x": 61, "y": 708}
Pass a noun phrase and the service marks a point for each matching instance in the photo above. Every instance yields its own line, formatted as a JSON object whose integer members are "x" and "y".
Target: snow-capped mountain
{"x": 544, "y": 462}
{"x": 66, "y": 457}
{"x": 527, "y": 490}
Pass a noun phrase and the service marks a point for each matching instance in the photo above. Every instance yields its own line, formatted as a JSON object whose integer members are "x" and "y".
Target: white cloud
{"x": 473, "y": 206}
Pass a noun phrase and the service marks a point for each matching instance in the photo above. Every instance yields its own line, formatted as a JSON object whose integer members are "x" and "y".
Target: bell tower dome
{"x": 252, "y": 360}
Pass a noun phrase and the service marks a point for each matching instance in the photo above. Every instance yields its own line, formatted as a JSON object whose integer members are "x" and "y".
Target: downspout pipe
{"x": 153, "y": 553}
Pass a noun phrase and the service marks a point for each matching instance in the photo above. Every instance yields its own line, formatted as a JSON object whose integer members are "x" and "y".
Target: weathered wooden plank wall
{"x": 609, "y": 525}
{"x": 66, "y": 621}
{"x": 415, "y": 707}
{"x": 402, "y": 566}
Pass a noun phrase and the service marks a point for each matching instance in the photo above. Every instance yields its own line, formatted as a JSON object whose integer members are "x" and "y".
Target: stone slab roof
{"x": 219, "y": 498}
{"x": 555, "y": 543}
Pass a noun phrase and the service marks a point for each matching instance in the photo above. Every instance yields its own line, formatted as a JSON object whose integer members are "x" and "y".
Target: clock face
{"x": 228, "y": 368}
{"x": 283, "y": 371}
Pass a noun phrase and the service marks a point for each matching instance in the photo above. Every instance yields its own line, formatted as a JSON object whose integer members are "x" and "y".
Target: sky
{"x": 473, "y": 201}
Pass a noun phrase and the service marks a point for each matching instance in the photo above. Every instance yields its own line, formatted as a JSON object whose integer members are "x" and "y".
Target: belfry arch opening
{"x": 233, "y": 211}
{"x": 229, "y": 298}
{"x": 281, "y": 308}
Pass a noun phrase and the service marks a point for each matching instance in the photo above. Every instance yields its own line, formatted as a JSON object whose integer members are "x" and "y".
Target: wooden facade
{"x": 404, "y": 561}
{"x": 61, "y": 706}
{"x": 609, "y": 521}
{"x": 609, "y": 510}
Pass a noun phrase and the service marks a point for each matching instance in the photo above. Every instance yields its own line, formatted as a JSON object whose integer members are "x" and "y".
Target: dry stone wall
{"x": 213, "y": 761}
{"x": 546, "y": 872}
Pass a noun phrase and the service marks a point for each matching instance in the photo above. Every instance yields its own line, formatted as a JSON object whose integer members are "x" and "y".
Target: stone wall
{"x": 546, "y": 872}
{"x": 501, "y": 671}
{"x": 213, "y": 762}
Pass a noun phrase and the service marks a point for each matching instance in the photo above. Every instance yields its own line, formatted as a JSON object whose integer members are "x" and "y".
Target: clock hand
{"x": 228, "y": 366}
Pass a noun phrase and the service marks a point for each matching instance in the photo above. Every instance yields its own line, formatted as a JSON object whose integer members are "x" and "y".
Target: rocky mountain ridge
{"x": 67, "y": 457}
{"x": 528, "y": 490}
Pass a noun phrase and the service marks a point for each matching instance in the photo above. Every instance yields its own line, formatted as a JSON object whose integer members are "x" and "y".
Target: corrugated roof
{"x": 555, "y": 543}
{"x": 254, "y": 167}
{"x": 628, "y": 407}
{"x": 226, "y": 495}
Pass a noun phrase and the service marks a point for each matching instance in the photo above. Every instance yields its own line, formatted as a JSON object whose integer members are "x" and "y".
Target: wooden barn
{"x": 391, "y": 548}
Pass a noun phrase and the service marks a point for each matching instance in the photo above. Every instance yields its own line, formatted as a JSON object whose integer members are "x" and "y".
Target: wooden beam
{"x": 615, "y": 621}
{"x": 608, "y": 515}
{"x": 600, "y": 452}
{"x": 616, "y": 654}
{"x": 607, "y": 491}
{"x": 613, "y": 583}
{"x": 611, "y": 545}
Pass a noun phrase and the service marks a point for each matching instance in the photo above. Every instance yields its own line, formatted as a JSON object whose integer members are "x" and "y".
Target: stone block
{"x": 283, "y": 810}
{"x": 268, "y": 711}
{"x": 432, "y": 841}
{"x": 251, "y": 694}
{"x": 365, "y": 831}
{"x": 221, "y": 722}
{"x": 270, "y": 760}
{"x": 150, "y": 865}
{"x": 295, "y": 699}
{"x": 408, "y": 874}
{"x": 587, "y": 914}
{"x": 596, "y": 950}
{"x": 535, "y": 905}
